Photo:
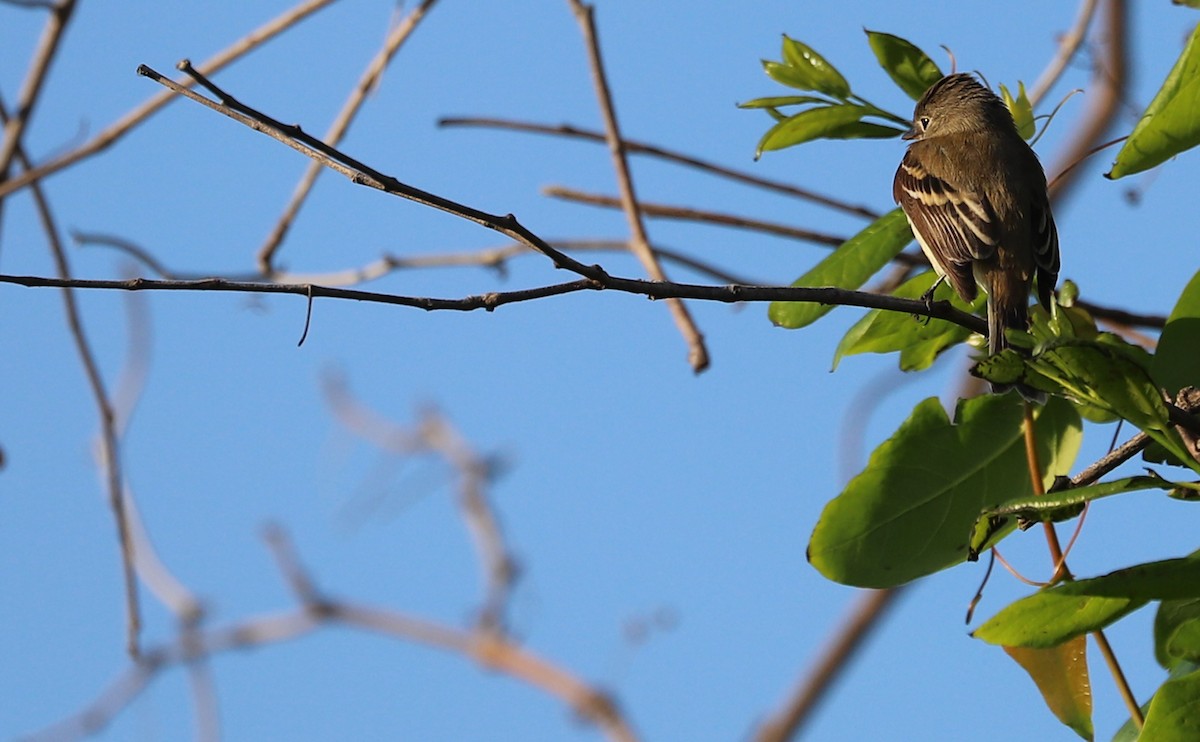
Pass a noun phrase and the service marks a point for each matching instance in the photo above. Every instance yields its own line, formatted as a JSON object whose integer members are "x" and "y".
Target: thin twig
{"x": 109, "y": 436}
{"x": 1033, "y": 459}
{"x": 1114, "y": 667}
{"x": 1123, "y": 316}
{"x": 118, "y": 129}
{"x": 434, "y": 434}
{"x": 685, "y": 213}
{"x": 35, "y": 79}
{"x": 490, "y": 257}
{"x": 1068, "y": 46}
{"x": 366, "y": 83}
{"x": 639, "y": 241}
{"x": 490, "y": 301}
{"x": 636, "y": 147}
{"x": 1063, "y": 573}
{"x": 359, "y": 172}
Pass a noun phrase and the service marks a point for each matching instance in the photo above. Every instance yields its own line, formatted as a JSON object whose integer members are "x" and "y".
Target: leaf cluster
{"x": 943, "y": 489}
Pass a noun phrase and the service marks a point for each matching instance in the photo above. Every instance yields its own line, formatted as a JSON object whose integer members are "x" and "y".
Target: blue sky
{"x": 633, "y": 488}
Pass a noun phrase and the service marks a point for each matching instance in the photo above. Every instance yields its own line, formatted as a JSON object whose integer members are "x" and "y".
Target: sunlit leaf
{"x": 911, "y": 510}
{"x": 785, "y": 74}
{"x": 847, "y": 267}
{"x": 1021, "y": 109}
{"x": 1107, "y": 373}
{"x": 1176, "y": 361}
{"x": 1061, "y": 674}
{"x": 778, "y": 101}
{"x": 1053, "y": 615}
{"x": 1170, "y": 124}
{"x": 1174, "y": 713}
{"x": 819, "y": 74}
{"x": 813, "y": 123}
{"x": 905, "y": 63}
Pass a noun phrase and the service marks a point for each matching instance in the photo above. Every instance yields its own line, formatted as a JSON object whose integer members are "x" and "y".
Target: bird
{"x": 976, "y": 199}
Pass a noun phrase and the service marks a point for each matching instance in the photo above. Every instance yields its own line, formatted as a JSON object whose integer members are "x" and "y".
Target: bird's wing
{"x": 954, "y": 227}
{"x": 1045, "y": 249}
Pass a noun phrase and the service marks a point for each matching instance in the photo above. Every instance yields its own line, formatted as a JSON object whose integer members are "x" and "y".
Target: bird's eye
{"x": 924, "y": 122}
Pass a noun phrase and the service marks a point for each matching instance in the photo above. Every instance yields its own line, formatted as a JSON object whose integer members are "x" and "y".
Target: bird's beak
{"x": 910, "y": 134}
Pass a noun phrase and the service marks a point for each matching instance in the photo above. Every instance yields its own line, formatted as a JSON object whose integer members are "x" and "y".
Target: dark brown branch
{"x": 650, "y": 289}
{"x": 360, "y": 173}
{"x": 636, "y": 147}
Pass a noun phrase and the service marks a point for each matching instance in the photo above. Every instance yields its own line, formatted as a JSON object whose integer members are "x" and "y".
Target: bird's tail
{"x": 1002, "y": 315}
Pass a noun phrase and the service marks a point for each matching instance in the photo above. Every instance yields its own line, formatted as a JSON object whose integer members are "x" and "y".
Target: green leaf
{"x": 1170, "y": 124}
{"x": 1061, "y": 675}
{"x": 1176, "y": 363}
{"x": 864, "y": 130}
{"x": 784, "y": 100}
{"x": 1021, "y": 109}
{"x": 905, "y": 63}
{"x": 1106, "y": 373}
{"x": 1174, "y": 714}
{"x": 847, "y": 267}
{"x": 813, "y": 123}
{"x": 911, "y": 510}
{"x": 818, "y": 74}
{"x": 785, "y": 74}
{"x": 1177, "y": 632}
{"x": 918, "y": 340}
{"x": 1054, "y": 615}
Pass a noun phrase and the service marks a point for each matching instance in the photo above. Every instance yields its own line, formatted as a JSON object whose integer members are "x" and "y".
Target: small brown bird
{"x": 975, "y": 196}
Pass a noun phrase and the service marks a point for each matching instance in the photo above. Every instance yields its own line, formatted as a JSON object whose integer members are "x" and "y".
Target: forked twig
{"x": 369, "y": 79}
{"x": 118, "y": 129}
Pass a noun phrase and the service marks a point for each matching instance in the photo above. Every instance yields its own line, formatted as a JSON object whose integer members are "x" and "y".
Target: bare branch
{"x": 685, "y": 213}
{"x": 651, "y": 289}
{"x": 338, "y": 129}
{"x": 35, "y": 78}
{"x": 110, "y": 458}
{"x": 129, "y": 121}
{"x": 636, "y": 147}
{"x": 639, "y": 241}
{"x": 434, "y": 434}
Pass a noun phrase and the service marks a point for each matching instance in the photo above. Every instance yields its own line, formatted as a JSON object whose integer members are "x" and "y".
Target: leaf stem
{"x": 1062, "y": 573}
